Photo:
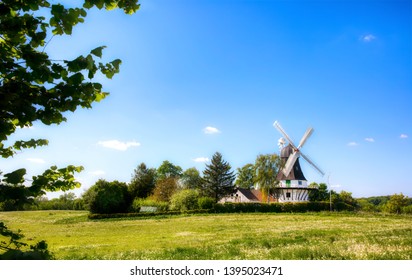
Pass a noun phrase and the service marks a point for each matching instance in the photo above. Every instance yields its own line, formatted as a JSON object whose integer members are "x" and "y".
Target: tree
{"x": 164, "y": 189}
{"x": 35, "y": 87}
{"x": 319, "y": 192}
{"x": 245, "y": 176}
{"x": 143, "y": 181}
{"x": 366, "y": 205}
{"x": 191, "y": 179}
{"x": 13, "y": 248}
{"x": 346, "y": 197}
{"x": 184, "y": 200}
{"x": 107, "y": 197}
{"x": 266, "y": 170}
{"x": 218, "y": 178}
{"x": 168, "y": 170}
{"x": 14, "y": 194}
{"x": 396, "y": 203}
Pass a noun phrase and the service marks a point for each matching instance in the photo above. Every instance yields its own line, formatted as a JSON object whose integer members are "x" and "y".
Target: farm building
{"x": 247, "y": 196}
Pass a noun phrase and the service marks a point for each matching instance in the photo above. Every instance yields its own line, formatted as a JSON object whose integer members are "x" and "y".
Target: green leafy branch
{"x": 34, "y": 87}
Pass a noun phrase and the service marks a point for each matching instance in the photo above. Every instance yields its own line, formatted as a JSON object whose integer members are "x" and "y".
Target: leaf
{"x": 32, "y": 143}
{"x": 15, "y": 177}
{"x": 54, "y": 179}
{"x": 98, "y": 51}
{"x": 116, "y": 64}
{"x": 100, "y": 96}
{"x": 75, "y": 79}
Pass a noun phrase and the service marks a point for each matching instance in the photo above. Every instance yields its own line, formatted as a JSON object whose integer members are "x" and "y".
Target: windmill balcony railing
{"x": 295, "y": 186}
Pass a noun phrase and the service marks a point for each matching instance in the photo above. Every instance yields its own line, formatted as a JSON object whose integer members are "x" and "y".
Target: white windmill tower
{"x": 293, "y": 184}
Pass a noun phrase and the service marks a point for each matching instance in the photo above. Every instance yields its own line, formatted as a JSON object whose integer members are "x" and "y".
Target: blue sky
{"x": 205, "y": 76}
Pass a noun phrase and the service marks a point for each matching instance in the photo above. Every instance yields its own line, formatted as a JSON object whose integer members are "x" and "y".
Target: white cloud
{"x": 36, "y": 160}
{"x": 211, "y": 130}
{"x": 369, "y": 139}
{"x": 97, "y": 173}
{"x": 201, "y": 159}
{"x": 403, "y": 136}
{"x": 352, "y": 144}
{"x": 28, "y": 127}
{"x": 118, "y": 145}
{"x": 368, "y": 38}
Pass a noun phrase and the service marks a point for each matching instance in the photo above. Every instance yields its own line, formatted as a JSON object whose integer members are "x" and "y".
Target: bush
{"x": 407, "y": 209}
{"x": 78, "y": 204}
{"x": 341, "y": 206}
{"x": 184, "y": 200}
{"x": 107, "y": 197}
{"x": 396, "y": 203}
{"x": 367, "y": 206}
{"x": 148, "y": 214}
{"x": 206, "y": 203}
{"x": 273, "y": 207}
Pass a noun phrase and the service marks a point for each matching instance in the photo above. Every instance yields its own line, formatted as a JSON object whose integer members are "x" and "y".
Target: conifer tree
{"x": 218, "y": 179}
{"x": 143, "y": 181}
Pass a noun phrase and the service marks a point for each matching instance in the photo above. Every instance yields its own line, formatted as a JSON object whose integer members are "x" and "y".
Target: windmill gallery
{"x": 292, "y": 186}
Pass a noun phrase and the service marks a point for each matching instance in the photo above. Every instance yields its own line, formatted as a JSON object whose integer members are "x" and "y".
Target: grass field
{"x": 71, "y": 235}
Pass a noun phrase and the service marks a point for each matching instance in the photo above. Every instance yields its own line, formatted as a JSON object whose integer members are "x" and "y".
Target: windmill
{"x": 293, "y": 184}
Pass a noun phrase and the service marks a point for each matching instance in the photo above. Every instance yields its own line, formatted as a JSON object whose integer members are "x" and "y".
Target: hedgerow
{"x": 298, "y": 207}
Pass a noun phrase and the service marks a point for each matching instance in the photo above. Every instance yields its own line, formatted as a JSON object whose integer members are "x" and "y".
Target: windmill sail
{"x": 293, "y": 156}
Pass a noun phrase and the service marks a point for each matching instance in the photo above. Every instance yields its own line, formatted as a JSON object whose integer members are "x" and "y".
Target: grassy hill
{"x": 71, "y": 235}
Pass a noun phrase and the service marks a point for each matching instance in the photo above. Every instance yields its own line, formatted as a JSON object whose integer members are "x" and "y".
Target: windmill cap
{"x": 286, "y": 151}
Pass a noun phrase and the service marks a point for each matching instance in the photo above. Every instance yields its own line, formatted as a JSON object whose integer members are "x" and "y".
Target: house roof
{"x": 254, "y": 195}
{"x": 248, "y": 194}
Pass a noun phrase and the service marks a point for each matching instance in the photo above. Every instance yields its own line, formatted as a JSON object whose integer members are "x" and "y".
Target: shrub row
{"x": 148, "y": 214}
{"x": 298, "y": 207}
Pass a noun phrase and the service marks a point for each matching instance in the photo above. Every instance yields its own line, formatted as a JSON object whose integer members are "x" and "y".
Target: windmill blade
{"x": 290, "y": 162}
{"x": 314, "y": 165}
{"x": 305, "y": 137}
{"x": 277, "y": 125}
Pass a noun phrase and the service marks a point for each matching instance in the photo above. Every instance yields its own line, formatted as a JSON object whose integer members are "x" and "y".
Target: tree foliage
{"x": 66, "y": 201}
{"x": 107, "y": 197}
{"x": 168, "y": 170}
{"x": 266, "y": 170}
{"x": 191, "y": 179}
{"x": 318, "y": 192}
{"x": 245, "y": 176}
{"x": 205, "y": 202}
{"x": 164, "y": 189}
{"x": 14, "y": 248}
{"x": 184, "y": 200}
{"x": 14, "y": 195}
{"x": 218, "y": 178}
{"x": 37, "y": 88}
{"x": 396, "y": 203}
{"x": 143, "y": 182}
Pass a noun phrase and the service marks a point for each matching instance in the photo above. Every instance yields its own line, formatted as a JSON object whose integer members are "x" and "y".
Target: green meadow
{"x": 320, "y": 236}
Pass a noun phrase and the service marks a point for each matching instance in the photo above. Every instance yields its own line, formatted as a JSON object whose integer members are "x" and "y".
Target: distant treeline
{"x": 397, "y": 203}
{"x": 66, "y": 201}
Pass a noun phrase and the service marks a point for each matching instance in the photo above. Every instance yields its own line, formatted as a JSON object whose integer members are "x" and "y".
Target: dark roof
{"x": 254, "y": 195}
{"x": 286, "y": 151}
{"x": 248, "y": 193}
{"x": 296, "y": 172}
